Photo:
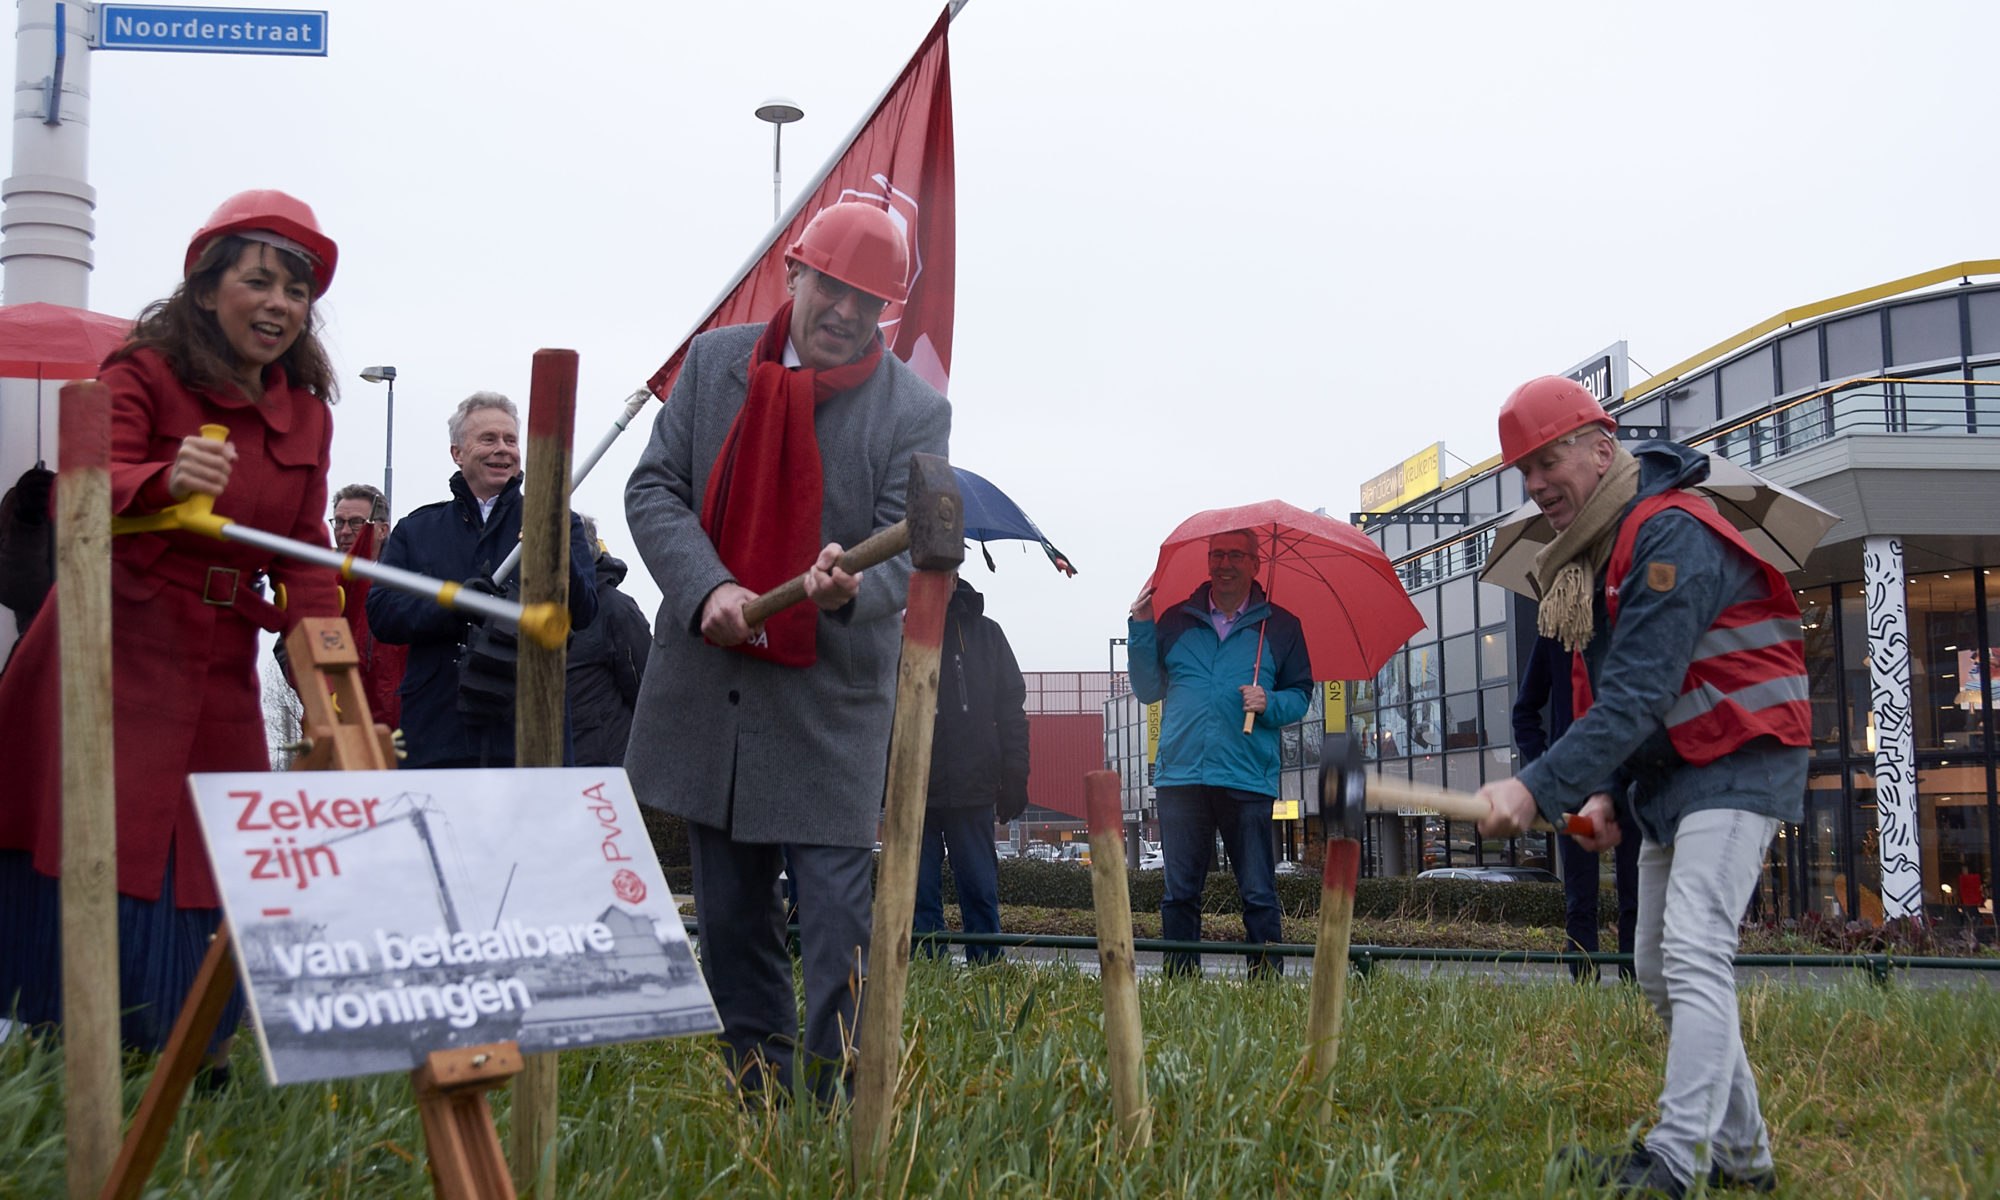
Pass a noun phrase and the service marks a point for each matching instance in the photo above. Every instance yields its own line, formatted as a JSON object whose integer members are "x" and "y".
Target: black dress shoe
{"x": 1632, "y": 1171}
{"x": 1765, "y": 1180}
{"x": 1644, "y": 1175}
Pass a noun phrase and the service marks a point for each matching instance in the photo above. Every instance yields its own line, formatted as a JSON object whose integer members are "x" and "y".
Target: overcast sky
{"x": 1208, "y": 254}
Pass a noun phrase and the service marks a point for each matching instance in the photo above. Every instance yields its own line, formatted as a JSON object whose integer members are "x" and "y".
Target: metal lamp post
{"x": 780, "y": 112}
{"x": 387, "y": 375}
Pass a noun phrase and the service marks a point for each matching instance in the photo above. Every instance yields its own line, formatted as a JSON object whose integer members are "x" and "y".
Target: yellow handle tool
{"x": 195, "y": 514}
{"x": 547, "y": 624}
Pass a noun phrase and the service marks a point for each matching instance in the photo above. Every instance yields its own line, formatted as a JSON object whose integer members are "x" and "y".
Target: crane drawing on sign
{"x": 418, "y": 815}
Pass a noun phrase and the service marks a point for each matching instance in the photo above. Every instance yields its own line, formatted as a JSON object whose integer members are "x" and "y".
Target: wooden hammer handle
{"x": 879, "y": 547}
{"x": 1459, "y": 806}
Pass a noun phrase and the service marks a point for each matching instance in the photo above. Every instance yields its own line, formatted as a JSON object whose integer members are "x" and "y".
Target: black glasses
{"x": 1231, "y": 556}
{"x": 347, "y": 522}
{"x": 836, "y": 291}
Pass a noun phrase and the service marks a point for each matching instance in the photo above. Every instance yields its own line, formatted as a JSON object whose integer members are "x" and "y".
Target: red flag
{"x": 899, "y": 157}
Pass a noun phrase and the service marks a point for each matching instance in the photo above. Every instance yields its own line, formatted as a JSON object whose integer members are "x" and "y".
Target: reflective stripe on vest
{"x": 1748, "y": 674}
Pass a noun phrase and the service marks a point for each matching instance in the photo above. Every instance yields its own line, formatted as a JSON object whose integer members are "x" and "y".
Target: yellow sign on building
{"x": 1421, "y": 472}
{"x": 1336, "y": 706}
{"x": 1284, "y": 810}
{"x": 1153, "y": 731}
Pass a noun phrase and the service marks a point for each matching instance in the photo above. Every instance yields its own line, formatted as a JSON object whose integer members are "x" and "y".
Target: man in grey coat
{"x": 779, "y": 445}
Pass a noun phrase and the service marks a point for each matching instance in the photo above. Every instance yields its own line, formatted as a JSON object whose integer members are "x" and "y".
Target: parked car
{"x": 1150, "y": 857}
{"x": 1292, "y": 866}
{"x": 1005, "y": 850}
{"x": 1492, "y": 874}
{"x": 1074, "y": 852}
{"x": 1040, "y": 850}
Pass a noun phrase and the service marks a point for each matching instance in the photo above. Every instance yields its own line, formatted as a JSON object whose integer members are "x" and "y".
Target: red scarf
{"x": 765, "y": 492}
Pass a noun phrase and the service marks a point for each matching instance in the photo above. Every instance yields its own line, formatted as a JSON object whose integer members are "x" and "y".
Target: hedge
{"x": 1035, "y": 883}
{"x": 1039, "y": 884}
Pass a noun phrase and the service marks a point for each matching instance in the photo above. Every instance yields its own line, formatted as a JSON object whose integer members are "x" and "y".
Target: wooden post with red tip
{"x": 1117, "y": 966}
{"x": 936, "y": 525}
{"x": 92, "y": 1109}
{"x": 538, "y": 703}
{"x": 1329, "y": 984}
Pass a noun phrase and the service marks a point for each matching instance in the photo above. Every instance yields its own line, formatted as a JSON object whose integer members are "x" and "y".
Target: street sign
{"x": 212, "y": 30}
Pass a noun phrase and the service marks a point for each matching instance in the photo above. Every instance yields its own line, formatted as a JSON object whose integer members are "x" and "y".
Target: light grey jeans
{"x": 1691, "y": 899}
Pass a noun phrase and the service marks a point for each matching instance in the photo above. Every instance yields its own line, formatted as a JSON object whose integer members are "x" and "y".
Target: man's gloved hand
{"x": 1013, "y": 800}
{"x": 480, "y": 583}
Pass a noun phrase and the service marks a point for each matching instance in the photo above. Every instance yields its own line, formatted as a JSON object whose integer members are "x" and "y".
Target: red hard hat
{"x": 1544, "y": 409}
{"x": 860, "y": 245}
{"x": 273, "y": 212}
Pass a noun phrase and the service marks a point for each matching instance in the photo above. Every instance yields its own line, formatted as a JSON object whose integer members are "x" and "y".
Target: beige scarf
{"x": 1566, "y": 569}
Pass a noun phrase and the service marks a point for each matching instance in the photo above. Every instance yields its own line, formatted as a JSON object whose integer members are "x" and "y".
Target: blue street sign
{"x": 212, "y": 30}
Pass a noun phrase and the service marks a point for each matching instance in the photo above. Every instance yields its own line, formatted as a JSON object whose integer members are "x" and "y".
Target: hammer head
{"x": 1343, "y": 787}
{"x": 935, "y": 516}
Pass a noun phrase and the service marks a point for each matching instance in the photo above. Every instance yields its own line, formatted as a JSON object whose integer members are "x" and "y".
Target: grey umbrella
{"x": 1780, "y": 525}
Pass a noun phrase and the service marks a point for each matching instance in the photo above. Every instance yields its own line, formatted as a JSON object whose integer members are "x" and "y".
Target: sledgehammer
{"x": 933, "y": 531}
{"x": 1348, "y": 794}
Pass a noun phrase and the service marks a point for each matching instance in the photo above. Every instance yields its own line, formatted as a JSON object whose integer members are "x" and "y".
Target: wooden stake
{"x": 1329, "y": 985}
{"x": 538, "y": 706}
{"x": 1117, "y": 967}
{"x": 881, "y": 1041}
{"x": 93, "y": 1112}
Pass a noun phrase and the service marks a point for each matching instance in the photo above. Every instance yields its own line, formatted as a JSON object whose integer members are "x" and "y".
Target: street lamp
{"x": 780, "y": 112}
{"x": 386, "y": 375}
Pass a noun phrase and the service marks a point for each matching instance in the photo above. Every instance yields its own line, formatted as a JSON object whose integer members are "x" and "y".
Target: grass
{"x": 1445, "y": 1087}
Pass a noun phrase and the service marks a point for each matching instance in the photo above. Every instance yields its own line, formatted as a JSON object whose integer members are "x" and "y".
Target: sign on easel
{"x": 382, "y": 915}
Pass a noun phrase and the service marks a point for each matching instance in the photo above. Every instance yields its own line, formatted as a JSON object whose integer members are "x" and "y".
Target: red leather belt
{"x": 224, "y": 587}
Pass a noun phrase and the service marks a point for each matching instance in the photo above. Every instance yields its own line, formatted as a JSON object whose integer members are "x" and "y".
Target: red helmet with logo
{"x": 1544, "y": 409}
{"x": 861, "y": 246}
{"x": 270, "y": 212}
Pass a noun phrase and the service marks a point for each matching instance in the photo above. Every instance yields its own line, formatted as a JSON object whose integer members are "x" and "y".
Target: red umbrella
{"x": 55, "y": 341}
{"x": 1339, "y": 584}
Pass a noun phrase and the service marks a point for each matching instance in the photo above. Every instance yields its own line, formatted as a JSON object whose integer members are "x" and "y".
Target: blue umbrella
{"x": 992, "y": 516}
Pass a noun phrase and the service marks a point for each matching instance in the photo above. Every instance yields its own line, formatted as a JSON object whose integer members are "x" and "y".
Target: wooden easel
{"x": 465, "y": 1157}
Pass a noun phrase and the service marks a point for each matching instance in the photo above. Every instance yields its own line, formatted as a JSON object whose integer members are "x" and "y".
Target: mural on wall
{"x": 1895, "y": 749}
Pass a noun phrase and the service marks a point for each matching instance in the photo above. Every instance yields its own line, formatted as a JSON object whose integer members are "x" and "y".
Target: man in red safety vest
{"x": 1692, "y": 710}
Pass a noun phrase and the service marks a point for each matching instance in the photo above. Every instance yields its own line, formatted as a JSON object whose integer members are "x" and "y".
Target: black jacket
{"x": 605, "y": 663}
{"x": 447, "y": 541}
{"x": 1544, "y": 685}
{"x": 979, "y": 746}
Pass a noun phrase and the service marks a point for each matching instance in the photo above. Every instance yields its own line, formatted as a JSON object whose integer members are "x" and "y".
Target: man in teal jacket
{"x": 1225, "y": 651}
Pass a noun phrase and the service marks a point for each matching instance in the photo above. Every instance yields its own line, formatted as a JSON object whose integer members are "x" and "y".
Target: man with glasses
{"x": 1212, "y": 777}
{"x": 780, "y": 444}
{"x": 358, "y": 507}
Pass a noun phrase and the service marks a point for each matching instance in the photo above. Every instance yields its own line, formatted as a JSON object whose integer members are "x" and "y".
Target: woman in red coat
{"x": 233, "y": 346}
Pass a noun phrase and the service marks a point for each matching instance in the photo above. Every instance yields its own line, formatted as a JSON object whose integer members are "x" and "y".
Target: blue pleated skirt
{"x": 160, "y": 949}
